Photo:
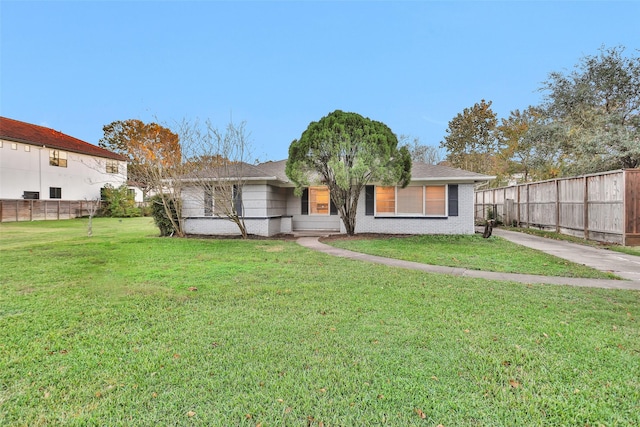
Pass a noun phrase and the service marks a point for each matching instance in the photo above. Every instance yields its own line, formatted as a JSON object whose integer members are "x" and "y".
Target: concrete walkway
{"x": 625, "y": 266}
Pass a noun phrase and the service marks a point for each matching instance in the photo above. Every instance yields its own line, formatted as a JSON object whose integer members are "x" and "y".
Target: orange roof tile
{"x": 14, "y": 130}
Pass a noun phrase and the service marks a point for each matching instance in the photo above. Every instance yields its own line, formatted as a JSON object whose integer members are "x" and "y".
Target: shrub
{"x": 160, "y": 215}
{"x": 118, "y": 202}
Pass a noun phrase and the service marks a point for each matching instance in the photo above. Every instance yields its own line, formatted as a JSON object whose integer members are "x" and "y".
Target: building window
{"x": 31, "y": 195}
{"x": 385, "y": 200}
{"x": 410, "y": 201}
{"x": 14, "y": 146}
{"x": 27, "y": 148}
{"x": 430, "y": 200}
{"x": 436, "y": 203}
{"x": 55, "y": 193}
{"x": 58, "y": 158}
{"x": 208, "y": 201}
{"x": 319, "y": 200}
{"x": 112, "y": 166}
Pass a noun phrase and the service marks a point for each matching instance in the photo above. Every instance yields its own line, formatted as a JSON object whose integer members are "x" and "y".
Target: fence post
{"x": 30, "y": 210}
{"x": 586, "y": 208}
{"x": 557, "y": 206}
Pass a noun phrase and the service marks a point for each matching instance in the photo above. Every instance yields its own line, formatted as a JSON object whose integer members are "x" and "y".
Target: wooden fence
{"x": 35, "y": 210}
{"x": 603, "y": 207}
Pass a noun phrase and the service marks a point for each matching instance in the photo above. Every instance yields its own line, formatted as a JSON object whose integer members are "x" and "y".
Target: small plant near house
{"x": 159, "y": 214}
{"x": 118, "y": 202}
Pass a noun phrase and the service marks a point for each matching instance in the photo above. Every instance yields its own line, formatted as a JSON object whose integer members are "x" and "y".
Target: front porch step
{"x": 314, "y": 233}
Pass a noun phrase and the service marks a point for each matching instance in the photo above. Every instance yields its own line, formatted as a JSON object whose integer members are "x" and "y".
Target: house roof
{"x": 275, "y": 171}
{"x": 427, "y": 172}
{"x": 27, "y": 133}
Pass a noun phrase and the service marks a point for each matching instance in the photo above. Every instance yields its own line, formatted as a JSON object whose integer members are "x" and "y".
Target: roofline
{"x": 114, "y": 156}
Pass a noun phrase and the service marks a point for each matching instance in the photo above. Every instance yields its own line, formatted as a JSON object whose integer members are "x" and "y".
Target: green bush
{"x": 160, "y": 215}
{"x": 118, "y": 202}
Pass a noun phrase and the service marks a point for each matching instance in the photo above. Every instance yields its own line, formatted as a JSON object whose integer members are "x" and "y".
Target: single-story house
{"x": 438, "y": 200}
{"x": 37, "y": 162}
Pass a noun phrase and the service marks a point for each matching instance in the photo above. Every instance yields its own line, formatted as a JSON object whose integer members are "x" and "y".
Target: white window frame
{"x": 424, "y": 203}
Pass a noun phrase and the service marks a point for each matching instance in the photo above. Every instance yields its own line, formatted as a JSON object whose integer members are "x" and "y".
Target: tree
{"x": 145, "y": 145}
{"x": 598, "y": 107}
{"x": 471, "y": 142}
{"x": 419, "y": 152}
{"x": 346, "y": 151}
{"x": 155, "y": 160}
{"x": 215, "y": 172}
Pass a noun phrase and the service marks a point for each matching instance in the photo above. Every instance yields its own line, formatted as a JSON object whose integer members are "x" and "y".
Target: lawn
{"x": 125, "y": 328}
{"x": 468, "y": 251}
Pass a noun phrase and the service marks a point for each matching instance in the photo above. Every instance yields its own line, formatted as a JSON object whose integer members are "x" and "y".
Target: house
{"x": 438, "y": 200}
{"x": 41, "y": 163}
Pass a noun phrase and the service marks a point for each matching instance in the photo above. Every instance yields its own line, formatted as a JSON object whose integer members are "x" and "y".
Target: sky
{"x": 76, "y": 66}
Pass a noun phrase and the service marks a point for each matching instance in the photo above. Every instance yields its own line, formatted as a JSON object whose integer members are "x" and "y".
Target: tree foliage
{"x": 118, "y": 202}
{"x": 155, "y": 159}
{"x": 420, "y": 152}
{"x": 346, "y": 151}
{"x": 471, "y": 142}
{"x": 215, "y": 171}
{"x": 146, "y": 145}
{"x": 597, "y": 105}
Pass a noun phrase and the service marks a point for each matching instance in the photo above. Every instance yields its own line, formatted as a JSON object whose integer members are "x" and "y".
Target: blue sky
{"x": 77, "y": 66}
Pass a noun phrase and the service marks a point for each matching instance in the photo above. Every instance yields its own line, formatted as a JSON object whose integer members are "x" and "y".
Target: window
{"x": 319, "y": 200}
{"x": 208, "y": 201}
{"x": 27, "y": 148}
{"x": 385, "y": 200}
{"x": 430, "y": 200}
{"x": 410, "y": 201}
{"x": 14, "y": 146}
{"x": 436, "y": 200}
{"x": 55, "y": 193}
{"x": 112, "y": 166}
{"x": 58, "y": 158}
{"x": 31, "y": 195}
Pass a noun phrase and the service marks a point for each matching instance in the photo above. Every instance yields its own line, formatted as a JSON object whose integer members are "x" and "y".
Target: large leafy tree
{"x": 346, "y": 151}
{"x": 471, "y": 142}
{"x": 154, "y": 161}
{"x": 598, "y": 107}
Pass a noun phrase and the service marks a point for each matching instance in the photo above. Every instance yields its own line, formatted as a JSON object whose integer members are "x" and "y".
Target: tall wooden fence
{"x": 603, "y": 207}
{"x": 35, "y": 210}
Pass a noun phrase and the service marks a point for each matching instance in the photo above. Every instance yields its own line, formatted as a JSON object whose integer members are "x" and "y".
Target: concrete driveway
{"x": 625, "y": 266}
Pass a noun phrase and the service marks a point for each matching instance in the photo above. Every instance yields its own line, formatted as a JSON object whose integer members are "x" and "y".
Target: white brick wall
{"x": 263, "y": 226}
{"x": 462, "y": 224}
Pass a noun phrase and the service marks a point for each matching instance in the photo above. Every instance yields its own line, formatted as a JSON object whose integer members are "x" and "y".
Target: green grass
{"x": 109, "y": 330}
{"x": 469, "y": 251}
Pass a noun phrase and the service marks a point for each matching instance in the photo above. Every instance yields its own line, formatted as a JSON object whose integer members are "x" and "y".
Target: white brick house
{"x": 438, "y": 200}
{"x": 41, "y": 163}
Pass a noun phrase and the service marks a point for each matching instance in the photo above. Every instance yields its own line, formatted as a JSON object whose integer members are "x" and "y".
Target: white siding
{"x": 82, "y": 179}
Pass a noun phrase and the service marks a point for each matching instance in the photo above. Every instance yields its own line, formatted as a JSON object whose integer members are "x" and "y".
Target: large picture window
{"x": 319, "y": 200}
{"x": 430, "y": 200}
{"x": 58, "y": 158}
